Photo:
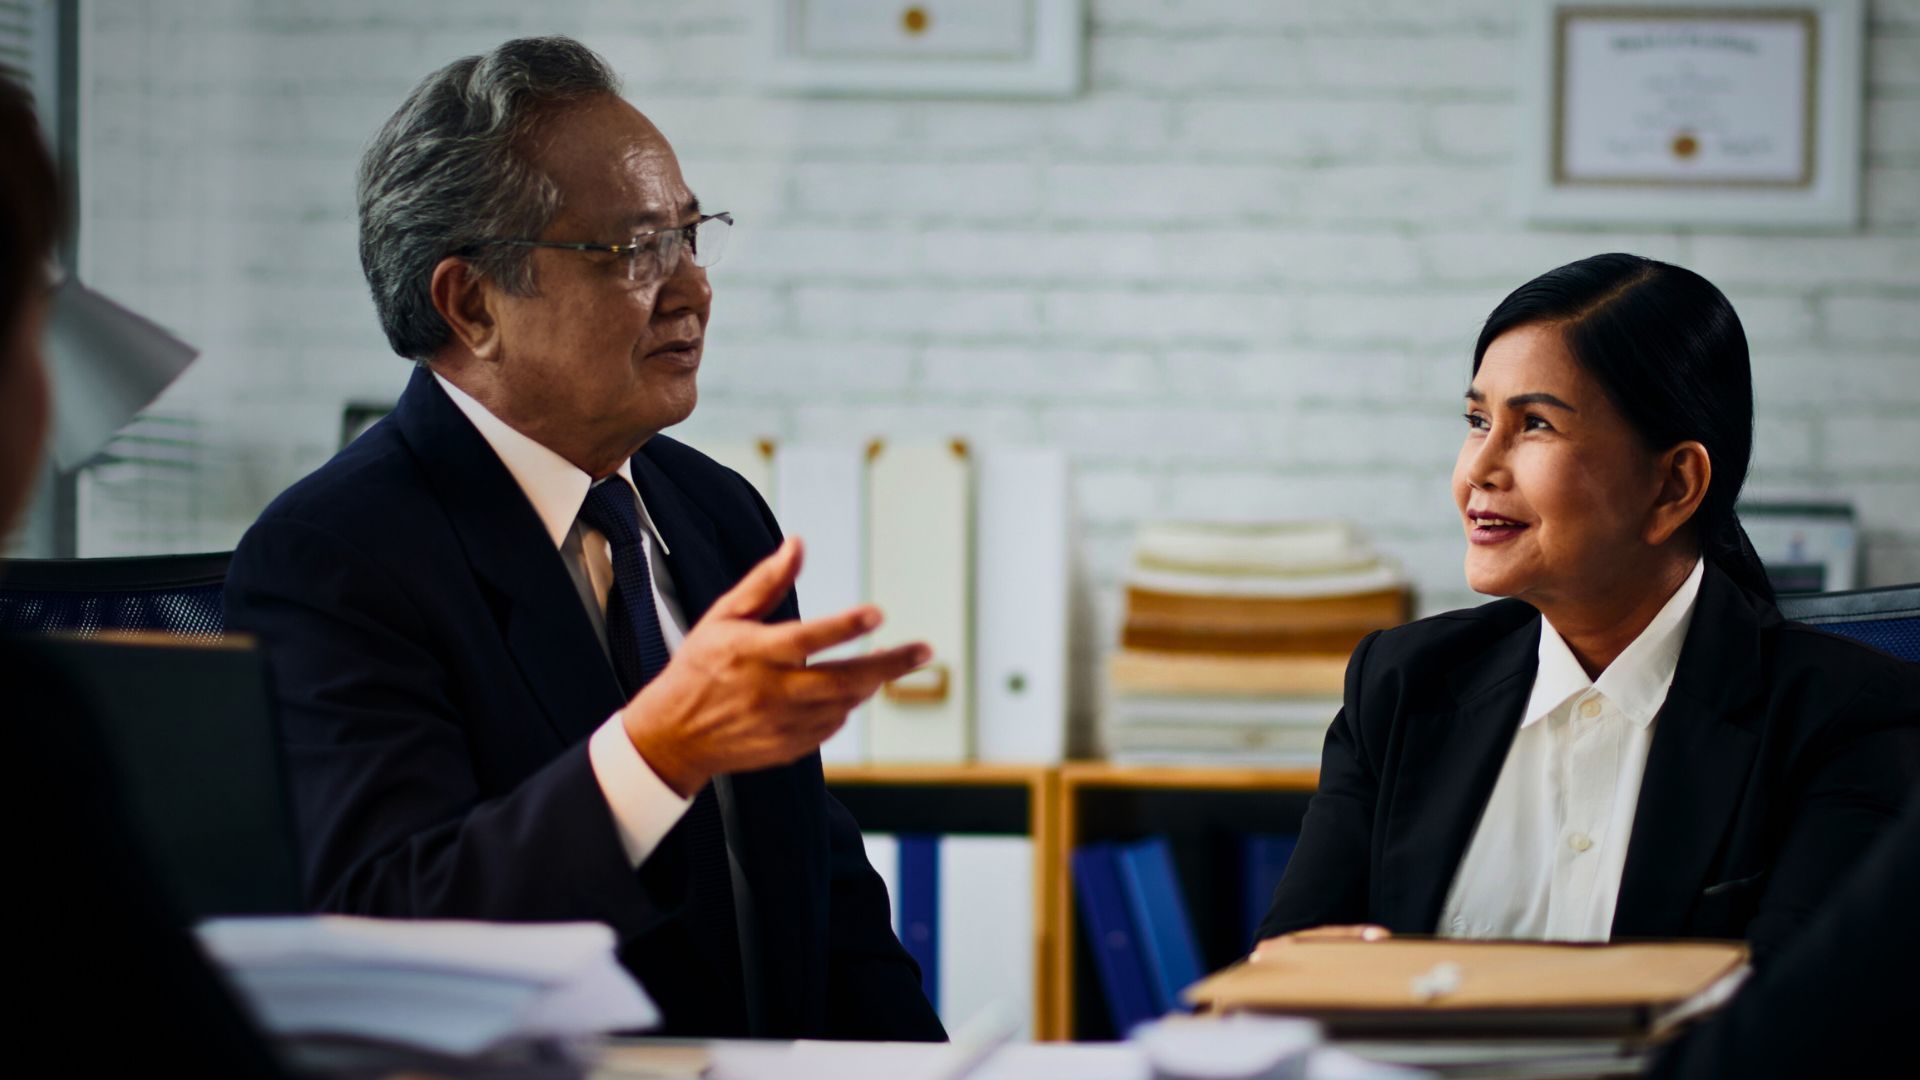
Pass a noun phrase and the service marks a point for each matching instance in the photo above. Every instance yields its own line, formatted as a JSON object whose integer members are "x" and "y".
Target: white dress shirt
{"x": 1546, "y": 859}
{"x": 644, "y": 807}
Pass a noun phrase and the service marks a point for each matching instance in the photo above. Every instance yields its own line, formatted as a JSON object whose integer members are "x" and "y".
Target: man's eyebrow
{"x": 1521, "y": 401}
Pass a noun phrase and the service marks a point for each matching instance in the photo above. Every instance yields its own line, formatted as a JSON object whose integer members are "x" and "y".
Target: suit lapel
{"x": 1698, "y": 765}
{"x": 532, "y": 596}
{"x": 787, "y": 831}
{"x": 1453, "y": 759}
{"x": 693, "y": 549}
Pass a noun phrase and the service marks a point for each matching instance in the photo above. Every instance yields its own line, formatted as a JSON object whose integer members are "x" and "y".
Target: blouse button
{"x": 1590, "y": 708}
{"x": 1579, "y": 841}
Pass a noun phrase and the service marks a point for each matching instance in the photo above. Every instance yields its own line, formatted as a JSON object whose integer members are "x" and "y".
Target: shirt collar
{"x": 555, "y": 486}
{"x": 1638, "y": 679}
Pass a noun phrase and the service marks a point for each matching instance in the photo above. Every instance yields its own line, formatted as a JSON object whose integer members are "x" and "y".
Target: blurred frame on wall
{"x": 1741, "y": 113}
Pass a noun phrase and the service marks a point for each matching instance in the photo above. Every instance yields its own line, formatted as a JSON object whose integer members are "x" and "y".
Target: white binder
{"x": 1021, "y": 516}
{"x": 752, "y": 460}
{"x": 986, "y": 937}
{"x": 919, "y": 561}
{"x": 821, "y": 498}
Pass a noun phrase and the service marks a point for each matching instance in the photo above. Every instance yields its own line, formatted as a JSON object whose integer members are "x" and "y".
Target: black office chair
{"x": 1886, "y": 618}
{"x": 172, "y": 594}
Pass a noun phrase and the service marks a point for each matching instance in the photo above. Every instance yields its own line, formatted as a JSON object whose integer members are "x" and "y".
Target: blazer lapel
{"x": 693, "y": 548}
{"x": 787, "y": 829}
{"x": 1451, "y": 761}
{"x": 1702, "y": 754}
{"x": 532, "y": 595}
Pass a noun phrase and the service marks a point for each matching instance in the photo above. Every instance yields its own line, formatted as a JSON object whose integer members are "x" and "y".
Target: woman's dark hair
{"x": 1668, "y": 350}
{"x": 29, "y": 206}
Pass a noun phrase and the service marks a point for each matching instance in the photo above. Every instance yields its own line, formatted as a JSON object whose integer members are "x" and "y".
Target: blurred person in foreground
{"x": 1837, "y": 1000}
{"x": 534, "y": 659}
{"x": 1634, "y": 743}
{"x": 109, "y": 977}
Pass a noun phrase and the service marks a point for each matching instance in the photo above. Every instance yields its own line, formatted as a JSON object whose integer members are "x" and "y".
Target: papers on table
{"x": 457, "y": 988}
{"x": 1461, "y": 988}
{"x": 1231, "y": 1048}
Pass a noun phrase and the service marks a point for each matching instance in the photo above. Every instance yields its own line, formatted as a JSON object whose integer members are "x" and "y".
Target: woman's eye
{"x": 1537, "y": 423}
{"x": 1476, "y": 421}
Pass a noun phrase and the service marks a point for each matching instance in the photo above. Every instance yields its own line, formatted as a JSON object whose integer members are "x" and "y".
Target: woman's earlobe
{"x": 1686, "y": 474}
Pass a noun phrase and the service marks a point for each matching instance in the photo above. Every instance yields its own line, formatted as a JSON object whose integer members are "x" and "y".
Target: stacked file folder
{"x": 1236, "y": 637}
{"x": 1137, "y": 925}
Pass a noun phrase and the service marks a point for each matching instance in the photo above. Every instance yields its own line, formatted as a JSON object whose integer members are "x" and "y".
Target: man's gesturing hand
{"x": 739, "y": 694}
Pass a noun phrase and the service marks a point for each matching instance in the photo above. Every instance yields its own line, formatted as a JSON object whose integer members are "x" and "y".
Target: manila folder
{"x": 1427, "y": 986}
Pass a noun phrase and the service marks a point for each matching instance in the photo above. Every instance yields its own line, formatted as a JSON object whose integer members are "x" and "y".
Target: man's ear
{"x": 1685, "y": 470}
{"x": 464, "y": 298}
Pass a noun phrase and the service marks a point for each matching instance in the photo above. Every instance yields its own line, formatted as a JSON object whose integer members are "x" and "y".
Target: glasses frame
{"x": 688, "y": 233}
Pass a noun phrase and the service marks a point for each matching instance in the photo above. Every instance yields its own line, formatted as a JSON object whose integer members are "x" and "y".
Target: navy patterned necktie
{"x": 639, "y": 653}
{"x": 633, "y": 625}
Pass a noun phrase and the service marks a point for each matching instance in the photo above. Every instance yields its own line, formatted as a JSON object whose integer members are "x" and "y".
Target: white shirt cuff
{"x": 644, "y": 807}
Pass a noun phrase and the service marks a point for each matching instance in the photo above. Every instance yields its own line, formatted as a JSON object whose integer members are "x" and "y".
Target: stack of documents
{"x": 453, "y": 988}
{"x": 1236, "y": 638}
{"x": 1425, "y": 989}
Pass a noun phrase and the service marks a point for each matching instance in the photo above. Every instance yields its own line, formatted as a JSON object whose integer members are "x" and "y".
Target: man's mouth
{"x": 682, "y": 350}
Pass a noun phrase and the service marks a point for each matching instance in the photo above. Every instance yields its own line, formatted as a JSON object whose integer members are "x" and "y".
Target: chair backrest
{"x": 1886, "y": 618}
{"x": 178, "y": 595}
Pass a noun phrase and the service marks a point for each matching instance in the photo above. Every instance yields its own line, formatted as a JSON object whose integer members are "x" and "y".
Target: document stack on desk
{"x": 1236, "y": 637}
{"x": 453, "y": 989}
{"x": 1465, "y": 1005}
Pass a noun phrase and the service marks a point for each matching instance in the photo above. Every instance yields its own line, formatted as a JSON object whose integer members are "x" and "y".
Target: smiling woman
{"x": 1633, "y": 743}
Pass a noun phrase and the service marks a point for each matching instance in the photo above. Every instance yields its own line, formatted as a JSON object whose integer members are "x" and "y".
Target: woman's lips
{"x": 1490, "y": 529}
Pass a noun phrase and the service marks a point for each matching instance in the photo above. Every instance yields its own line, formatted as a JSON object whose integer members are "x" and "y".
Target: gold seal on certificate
{"x": 1685, "y": 96}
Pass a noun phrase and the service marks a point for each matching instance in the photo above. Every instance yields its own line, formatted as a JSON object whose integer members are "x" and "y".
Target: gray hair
{"x": 449, "y": 170}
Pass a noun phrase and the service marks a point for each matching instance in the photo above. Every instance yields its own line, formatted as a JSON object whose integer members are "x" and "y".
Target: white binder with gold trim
{"x": 822, "y": 500}
{"x": 919, "y": 569}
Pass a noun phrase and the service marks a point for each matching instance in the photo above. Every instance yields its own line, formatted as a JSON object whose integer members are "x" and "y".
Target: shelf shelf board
{"x": 1099, "y": 774}
{"x": 964, "y": 774}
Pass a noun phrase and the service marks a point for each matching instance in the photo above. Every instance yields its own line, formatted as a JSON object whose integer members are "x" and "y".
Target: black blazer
{"x": 438, "y": 679}
{"x": 1781, "y": 752}
{"x": 1840, "y": 999}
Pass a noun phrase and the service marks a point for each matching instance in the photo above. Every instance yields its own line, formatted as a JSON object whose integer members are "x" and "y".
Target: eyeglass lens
{"x": 655, "y": 260}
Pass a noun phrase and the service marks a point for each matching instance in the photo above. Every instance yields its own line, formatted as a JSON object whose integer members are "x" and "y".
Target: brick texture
{"x": 1237, "y": 278}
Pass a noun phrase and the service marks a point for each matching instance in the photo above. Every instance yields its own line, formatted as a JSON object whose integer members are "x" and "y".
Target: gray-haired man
{"x": 535, "y": 660}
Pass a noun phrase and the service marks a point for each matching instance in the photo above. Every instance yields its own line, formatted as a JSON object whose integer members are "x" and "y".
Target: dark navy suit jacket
{"x": 438, "y": 678}
{"x": 1779, "y": 756}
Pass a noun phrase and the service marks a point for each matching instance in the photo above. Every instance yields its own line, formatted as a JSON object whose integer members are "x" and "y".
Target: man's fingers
{"x": 764, "y": 586}
{"x": 862, "y": 675}
{"x": 793, "y": 642}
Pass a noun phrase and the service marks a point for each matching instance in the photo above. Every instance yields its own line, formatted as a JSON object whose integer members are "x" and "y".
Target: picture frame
{"x": 926, "y": 48}
{"x": 1704, "y": 113}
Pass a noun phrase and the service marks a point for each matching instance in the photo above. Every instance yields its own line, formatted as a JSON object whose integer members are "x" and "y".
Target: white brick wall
{"x": 1237, "y": 278}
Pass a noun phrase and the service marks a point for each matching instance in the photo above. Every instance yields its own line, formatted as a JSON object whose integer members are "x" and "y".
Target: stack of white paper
{"x": 458, "y": 988}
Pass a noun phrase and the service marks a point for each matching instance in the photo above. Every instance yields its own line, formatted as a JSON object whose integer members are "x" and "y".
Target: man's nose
{"x": 685, "y": 289}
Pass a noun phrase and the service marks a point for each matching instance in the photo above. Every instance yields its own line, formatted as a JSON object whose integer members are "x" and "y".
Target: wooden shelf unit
{"x": 1038, "y": 784}
{"x": 1062, "y": 806}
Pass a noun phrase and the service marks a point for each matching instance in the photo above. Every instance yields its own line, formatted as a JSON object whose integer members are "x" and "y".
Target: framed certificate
{"x": 1709, "y": 112}
{"x": 927, "y": 48}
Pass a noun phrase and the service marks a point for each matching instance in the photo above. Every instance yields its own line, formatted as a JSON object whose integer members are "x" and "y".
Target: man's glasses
{"x": 652, "y": 254}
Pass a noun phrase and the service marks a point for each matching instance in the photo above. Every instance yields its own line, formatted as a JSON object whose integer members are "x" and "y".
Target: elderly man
{"x": 536, "y": 660}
